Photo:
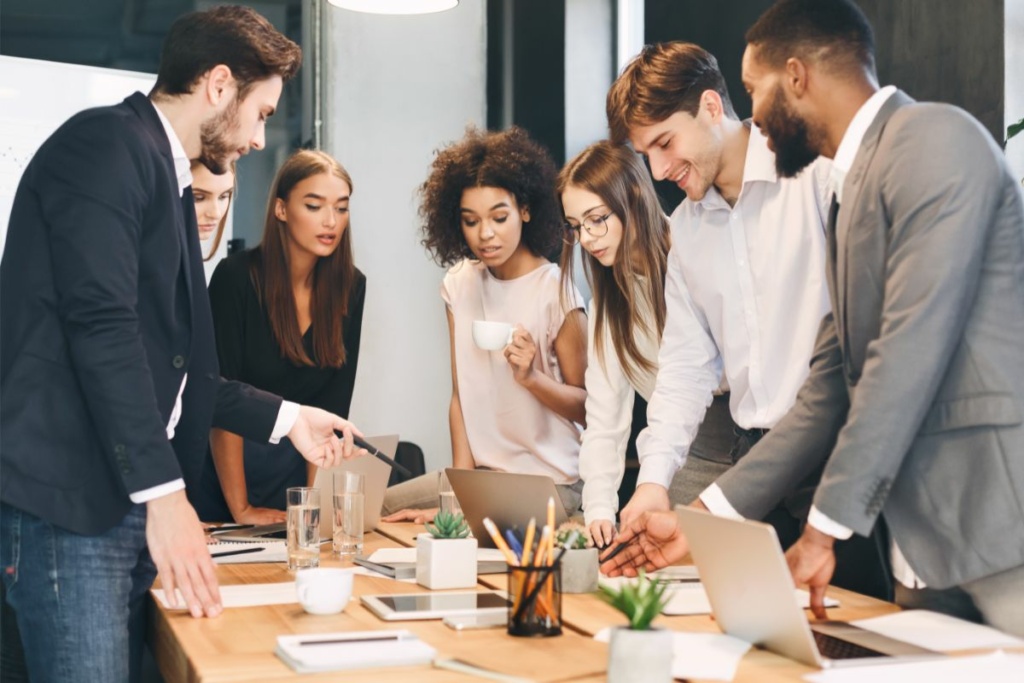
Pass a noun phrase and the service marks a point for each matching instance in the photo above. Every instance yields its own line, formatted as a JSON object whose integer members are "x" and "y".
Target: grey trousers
{"x": 996, "y": 600}
{"x": 710, "y": 454}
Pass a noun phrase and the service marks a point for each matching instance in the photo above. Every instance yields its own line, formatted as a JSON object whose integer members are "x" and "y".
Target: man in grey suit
{"x": 916, "y": 390}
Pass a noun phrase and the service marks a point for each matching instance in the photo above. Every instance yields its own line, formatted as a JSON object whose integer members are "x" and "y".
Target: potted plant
{"x": 445, "y": 556}
{"x": 579, "y": 564}
{"x": 638, "y": 652}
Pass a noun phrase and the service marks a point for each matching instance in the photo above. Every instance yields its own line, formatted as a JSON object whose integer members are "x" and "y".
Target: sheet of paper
{"x": 243, "y": 595}
{"x": 389, "y": 555}
{"x": 266, "y": 551}
{"x": 940, "y": 632}
{"x": 994, "y": 668}
{"x": 690, "y": 598}
{"x": 712, "y": 656}
{"x": 366, "y": 571}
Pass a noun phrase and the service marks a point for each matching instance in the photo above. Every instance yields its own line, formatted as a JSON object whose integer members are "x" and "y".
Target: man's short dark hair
{"x": 235, "y": 36}
{"x": 832, "y": 32}
{"x": 663, "y": 79}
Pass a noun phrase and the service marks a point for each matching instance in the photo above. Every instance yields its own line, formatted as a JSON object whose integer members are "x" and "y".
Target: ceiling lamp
{"x": 395, "y": 6}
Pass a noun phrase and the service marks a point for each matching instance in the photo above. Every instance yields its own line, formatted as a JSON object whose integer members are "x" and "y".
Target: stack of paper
{"x": 352, "y": 650}
{"x": 941, "y": 632}
{"x": 243, "y": 595}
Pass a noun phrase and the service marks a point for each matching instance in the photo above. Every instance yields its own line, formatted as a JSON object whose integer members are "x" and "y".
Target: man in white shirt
{"x": 916, "y": 396}
{"x": 745, "y": 288}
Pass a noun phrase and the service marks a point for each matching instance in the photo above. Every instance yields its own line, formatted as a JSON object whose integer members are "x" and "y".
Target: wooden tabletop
{"x": 238, "y": 646}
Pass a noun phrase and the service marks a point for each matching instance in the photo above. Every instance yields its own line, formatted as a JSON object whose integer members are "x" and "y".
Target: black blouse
{"x": 249, "y": 353}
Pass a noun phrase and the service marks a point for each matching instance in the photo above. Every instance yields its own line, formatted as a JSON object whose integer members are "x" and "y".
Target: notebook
{"x": 352, "y": 650}
{"x": 247, "y": 552}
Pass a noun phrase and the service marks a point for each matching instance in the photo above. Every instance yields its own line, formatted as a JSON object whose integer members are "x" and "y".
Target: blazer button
{"x": 178, "y": 362}
{"x": 119, "y": 449}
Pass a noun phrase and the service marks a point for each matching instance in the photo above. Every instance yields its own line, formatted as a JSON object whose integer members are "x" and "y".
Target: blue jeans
{"x": 80, "y": 601}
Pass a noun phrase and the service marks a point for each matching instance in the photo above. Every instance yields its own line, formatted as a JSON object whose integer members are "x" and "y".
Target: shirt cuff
{"x": 154, "y": 492}
{"x": 286, "y": 418}
{"x": 596, "y": 513}
{"x": 826, "y": 525}
{"x": 717, "y": 504}
{"x": 657, "y": 469}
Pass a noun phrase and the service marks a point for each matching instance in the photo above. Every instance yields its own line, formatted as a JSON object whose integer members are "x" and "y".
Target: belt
{"x": 745, "y": 440}
{"x": 754, "y": 434}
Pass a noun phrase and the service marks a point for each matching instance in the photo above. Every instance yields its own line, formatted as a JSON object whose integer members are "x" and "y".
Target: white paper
{"x": 366, "y": 571}
{"x": 690, "y": 598}
{"x": 269, "y": 551}
{"x": 243, "y": 595}
{"x": 390, "y": 555}
{"x": 713, "y": 656}
{"x": 358, "y": 649}
{"x": 993, "y": 668}
{"x": 941, "y": 632}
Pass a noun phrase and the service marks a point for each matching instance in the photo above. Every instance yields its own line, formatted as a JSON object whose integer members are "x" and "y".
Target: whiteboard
{"x": 36, "y": 97}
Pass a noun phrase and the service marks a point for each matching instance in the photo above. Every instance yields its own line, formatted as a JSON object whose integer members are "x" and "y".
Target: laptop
{"x": 376, "y": 474}
{"x": 510, "y": 500}
{"x": 750, "y": 589}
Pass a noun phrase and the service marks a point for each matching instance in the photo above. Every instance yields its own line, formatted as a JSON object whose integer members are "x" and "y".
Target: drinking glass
{"x": 303, "y": 527}
{"x": 348, "y": 514}
{"x": 447, "y": 502}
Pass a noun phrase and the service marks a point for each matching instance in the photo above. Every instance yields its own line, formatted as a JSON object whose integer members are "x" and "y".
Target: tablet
{"x": 408, "y": 606}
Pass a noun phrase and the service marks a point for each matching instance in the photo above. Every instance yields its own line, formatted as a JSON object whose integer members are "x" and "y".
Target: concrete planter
{"x": 580, "y": 570}
{"x": 445, "y": 562}
{"x": 640, "y": 656}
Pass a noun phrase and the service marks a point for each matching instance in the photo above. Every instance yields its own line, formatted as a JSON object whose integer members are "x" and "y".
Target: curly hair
{"x": 509, "y": 160}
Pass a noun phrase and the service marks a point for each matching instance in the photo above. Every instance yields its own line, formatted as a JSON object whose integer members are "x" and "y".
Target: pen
{"x": 499, "y": 542}
{"x": 337, "y": 641}
{"x": 375, "y": 452}
{"x": 615, "y": 551}
{"x": 514, "y": 544}
{"x": 237, "y": 552}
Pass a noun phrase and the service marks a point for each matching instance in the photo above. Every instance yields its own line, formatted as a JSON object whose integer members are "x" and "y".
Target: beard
{"x": 215, "y": 136}
{"x": 794, "y": 143}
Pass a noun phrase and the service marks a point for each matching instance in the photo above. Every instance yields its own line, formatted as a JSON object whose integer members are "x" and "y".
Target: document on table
{"x": 243, "y": 595}
{"x": 392, "y": 555}
{"x": 935, "y": 631}
{"x": 352, "y": 650}
{"x": 250, "y": 551}
{"x": 713, "y": 656}
{"x": 688, "y": 597}
{"x": 994, "y": 668}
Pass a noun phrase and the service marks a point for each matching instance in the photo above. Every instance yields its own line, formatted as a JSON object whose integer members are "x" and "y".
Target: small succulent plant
{"x": 641, "y": 601}
{"x": 447, "y": 525}
{"x": 571, "y": 535}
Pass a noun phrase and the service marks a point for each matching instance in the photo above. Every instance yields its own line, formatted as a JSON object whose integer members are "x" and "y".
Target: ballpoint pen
{"x": 375, "y": 452}
{"x": 243, "y": 551}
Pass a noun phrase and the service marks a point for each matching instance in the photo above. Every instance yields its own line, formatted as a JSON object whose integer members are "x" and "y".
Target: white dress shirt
{"x": 745, "y": 293}
{"x": 287, "y": 414}
{"x": 610, "y": 396}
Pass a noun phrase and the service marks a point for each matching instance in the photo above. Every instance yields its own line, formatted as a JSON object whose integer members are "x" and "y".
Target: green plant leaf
{"x": 1014, "y": 129}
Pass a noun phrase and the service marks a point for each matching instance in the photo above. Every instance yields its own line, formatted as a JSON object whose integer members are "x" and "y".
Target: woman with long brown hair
{"x": 213, "y": 195}
{"x": 288, "y": 316}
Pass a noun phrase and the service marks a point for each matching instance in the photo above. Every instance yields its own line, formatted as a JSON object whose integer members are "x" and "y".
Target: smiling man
{"x": 745, "y": 289}
{"x": 108, "y": 370}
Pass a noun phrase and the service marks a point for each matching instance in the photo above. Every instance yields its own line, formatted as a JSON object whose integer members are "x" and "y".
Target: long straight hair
{"x": 227, "y": 210}
{"x": 333, "y": 276}
{"x": 615, "y": 174}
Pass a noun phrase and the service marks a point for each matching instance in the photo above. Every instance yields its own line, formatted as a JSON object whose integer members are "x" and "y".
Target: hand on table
{"x": 812, "y": 561}
{"x": 313, "y": 436}
{"x": 414, "y": 516}
{"x": 259, "y": 516}
{"x": 178, "y": 547}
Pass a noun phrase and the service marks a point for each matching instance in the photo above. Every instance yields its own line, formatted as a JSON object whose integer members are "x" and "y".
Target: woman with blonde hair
{"x": 288, "y": 316}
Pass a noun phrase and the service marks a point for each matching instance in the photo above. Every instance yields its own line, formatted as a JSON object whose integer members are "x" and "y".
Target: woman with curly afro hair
{"x": 491, "y": 216}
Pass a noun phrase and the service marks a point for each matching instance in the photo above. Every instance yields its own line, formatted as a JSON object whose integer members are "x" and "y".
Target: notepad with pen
{"x": 352, "y": 650}
{"x": 257, "y": 551}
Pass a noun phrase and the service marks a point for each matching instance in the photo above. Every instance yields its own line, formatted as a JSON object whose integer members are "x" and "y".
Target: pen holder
{"x": 536, "y": 601}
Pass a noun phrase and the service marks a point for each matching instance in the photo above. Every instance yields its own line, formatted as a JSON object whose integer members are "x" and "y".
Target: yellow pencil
{"x": 510, "y": 556}
{"x": 531, "y": 530}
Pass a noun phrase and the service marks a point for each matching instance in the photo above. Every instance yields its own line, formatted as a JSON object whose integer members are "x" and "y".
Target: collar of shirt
{"x": 182, "y": 164}
{"x": 759, "y": 166}
{"x": 853, "y": 136}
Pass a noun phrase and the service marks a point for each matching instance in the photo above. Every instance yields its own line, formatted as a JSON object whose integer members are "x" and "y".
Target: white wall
{"x": 1014, "y": 82}
{"x": 396, "y": 89}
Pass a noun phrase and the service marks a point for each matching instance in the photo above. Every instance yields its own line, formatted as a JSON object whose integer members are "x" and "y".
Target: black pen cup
{"x": 535, "y": 593}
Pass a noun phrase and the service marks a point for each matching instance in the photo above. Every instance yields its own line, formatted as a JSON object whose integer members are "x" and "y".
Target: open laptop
{"x": 750, "y": 589}
{"x": 375, "y": 473}
{"x": 510, "y": 500}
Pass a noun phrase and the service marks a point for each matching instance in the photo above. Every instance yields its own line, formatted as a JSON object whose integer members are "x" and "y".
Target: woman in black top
{"x": 288, "y": 316}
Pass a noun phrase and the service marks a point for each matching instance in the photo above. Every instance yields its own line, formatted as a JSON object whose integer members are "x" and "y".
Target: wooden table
{"x": 238, "y": 646}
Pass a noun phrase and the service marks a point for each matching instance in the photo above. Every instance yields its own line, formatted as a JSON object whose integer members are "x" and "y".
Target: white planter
{"x": 635, "y": 656}
{"x": 445, "y": 562}
{"x": 579, "y": 570}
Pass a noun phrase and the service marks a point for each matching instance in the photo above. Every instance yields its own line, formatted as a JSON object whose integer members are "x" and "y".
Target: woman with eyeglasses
{"x": 612, "y": 211}
{"x": 490, "y": 214}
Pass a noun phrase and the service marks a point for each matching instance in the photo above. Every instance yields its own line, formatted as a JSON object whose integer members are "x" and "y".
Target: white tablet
{"x": 408, "y": 606}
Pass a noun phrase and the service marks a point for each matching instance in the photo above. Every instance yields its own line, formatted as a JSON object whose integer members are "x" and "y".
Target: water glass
{"x": 349, "y": 509}
{"x": 303, "y": 527}
{"x": 447, "y": 501}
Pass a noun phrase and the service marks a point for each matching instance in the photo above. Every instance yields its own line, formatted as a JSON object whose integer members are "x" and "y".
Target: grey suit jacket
{"x": 916, "y": 390}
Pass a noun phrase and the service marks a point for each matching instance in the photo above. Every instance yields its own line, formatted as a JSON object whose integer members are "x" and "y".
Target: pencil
{"x": 531, "y": 529}
{"x": 499, "y": 542}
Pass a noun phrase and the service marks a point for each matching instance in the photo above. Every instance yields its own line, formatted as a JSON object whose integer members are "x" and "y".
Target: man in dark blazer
{"x": 108, "y": 369}
{"x": 916, "y": 391}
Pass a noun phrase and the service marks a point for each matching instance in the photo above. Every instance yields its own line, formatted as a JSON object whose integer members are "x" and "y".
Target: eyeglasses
{"x": 596, "y": 226}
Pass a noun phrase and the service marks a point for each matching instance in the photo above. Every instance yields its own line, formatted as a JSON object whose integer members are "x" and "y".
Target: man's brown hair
{"x": 235, "y": 36}
{"x": 663, "y": 79}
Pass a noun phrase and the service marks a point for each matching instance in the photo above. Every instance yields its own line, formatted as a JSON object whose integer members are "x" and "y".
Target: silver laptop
{"x": 376, "y": 474}
{"x": 750, "y": 589}
{"x": 510, "y": 500}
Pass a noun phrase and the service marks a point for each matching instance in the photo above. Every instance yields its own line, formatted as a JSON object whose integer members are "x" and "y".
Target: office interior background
{"x": 381, "y": 93}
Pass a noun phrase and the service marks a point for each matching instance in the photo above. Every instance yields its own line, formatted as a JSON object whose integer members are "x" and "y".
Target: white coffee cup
{"x": 492, "y": 336}
{"x": 324, "y": 590}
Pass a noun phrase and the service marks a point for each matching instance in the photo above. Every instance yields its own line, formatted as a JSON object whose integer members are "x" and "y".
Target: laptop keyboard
{"x": 831, "y": 647}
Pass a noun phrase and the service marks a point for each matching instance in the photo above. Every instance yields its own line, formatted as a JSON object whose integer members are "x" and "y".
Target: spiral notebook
{"x": 244, "y": 553}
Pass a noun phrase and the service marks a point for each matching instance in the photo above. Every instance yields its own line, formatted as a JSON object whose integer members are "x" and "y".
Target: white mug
{"x": 492, "y": 336}
{"x": 324, "y": 590}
